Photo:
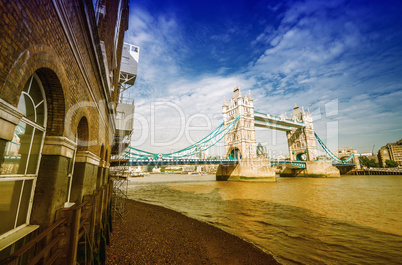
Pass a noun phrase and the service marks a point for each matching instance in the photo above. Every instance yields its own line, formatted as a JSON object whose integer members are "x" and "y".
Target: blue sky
{"x": 342, "y": 60}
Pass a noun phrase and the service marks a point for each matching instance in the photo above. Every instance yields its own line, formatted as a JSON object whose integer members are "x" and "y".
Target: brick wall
{"x": 33, "y": 39}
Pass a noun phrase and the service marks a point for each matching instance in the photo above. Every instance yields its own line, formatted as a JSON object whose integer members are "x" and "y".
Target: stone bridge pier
{"x": 248, "y": 169}
{"x": 315, "y": 169}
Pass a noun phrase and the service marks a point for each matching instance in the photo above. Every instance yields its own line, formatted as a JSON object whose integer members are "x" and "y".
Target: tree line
{"x": 372, "y": 163}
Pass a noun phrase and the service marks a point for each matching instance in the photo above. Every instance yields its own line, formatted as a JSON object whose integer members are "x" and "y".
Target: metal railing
{"x": 32, "y": 245}
{"x": 77, "y": 229}
{"x": 126, "y": 100}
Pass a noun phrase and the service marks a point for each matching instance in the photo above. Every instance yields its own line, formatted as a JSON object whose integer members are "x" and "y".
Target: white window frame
{"x": 4, "y": 242}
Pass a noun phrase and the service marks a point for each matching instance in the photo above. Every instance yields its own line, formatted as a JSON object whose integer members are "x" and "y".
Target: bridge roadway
{"x": 275, "y": 122}
{"x": 171, "y": 162}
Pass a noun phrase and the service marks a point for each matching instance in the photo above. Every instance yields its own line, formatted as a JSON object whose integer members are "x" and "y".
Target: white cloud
{"x": 311, "y": 59}
{"x": 162, "y": 45}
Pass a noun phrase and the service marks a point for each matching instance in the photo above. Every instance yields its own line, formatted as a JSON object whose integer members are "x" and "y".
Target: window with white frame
{"x": 19, "y": 168}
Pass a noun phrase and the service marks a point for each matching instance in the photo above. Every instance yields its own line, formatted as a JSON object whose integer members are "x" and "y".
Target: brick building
{"x": 59, "y": 88}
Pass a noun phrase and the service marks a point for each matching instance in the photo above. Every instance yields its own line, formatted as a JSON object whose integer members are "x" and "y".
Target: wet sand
{"x": 150, "y": 234}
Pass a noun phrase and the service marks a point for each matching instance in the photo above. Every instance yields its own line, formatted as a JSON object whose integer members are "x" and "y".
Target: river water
{"x": 347, "y": 220}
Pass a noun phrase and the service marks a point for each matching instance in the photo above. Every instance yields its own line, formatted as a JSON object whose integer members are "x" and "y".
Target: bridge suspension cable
{"x": 332, "y": 155}
{"x": 200, "y": 146}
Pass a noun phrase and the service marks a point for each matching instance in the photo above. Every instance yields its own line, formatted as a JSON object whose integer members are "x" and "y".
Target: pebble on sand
{"x": 150, "y": 234}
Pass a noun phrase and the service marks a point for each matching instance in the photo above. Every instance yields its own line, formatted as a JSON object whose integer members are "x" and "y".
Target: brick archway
{"x": 55, "y": 101}
{"x": 43, "y": 61}
{"x": 82, "y": 134}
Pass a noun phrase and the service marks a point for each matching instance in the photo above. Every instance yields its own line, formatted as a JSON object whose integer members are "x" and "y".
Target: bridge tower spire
{"x": 301, "y": 141}
{"x": 240, "y": 141}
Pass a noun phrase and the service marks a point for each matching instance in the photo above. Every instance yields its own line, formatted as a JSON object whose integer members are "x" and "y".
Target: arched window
{"x": 19, "y": 168}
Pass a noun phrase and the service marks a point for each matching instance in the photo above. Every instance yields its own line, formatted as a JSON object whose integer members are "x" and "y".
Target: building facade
{"x": 59, "y": 88}
{"x": 125, "y": 108}
{"x": 240, "y": 141}
{"x": 262, "y": 151}
{"x": 391, "y": 151}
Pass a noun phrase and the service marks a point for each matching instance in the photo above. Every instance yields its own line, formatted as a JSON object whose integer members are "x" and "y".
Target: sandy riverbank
{"x": 150, "y": 234}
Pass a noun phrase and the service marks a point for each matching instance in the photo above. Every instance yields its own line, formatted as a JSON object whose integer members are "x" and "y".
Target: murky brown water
{"x": 347, "y": 220}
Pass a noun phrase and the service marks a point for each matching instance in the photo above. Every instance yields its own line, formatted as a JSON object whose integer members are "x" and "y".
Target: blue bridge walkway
{"x": 172, "y": 162}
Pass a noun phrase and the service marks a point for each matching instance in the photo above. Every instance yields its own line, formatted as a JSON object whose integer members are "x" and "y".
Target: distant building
{"x": 262, "y": 151}
{"x": 368, "y": 154}
{"x": 345, "y": 152}
{"x": 391, "y": 151}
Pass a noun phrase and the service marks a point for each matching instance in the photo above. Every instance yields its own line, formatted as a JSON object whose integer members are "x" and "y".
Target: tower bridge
{"x": 173, "y": 162}
{"x": 240, "y": 161}
{"x": 240, "y": 142}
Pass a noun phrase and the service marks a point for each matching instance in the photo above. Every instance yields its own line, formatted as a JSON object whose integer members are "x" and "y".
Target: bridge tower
{"x": 301, "y": 141}
{"x": 240, "y": 141}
